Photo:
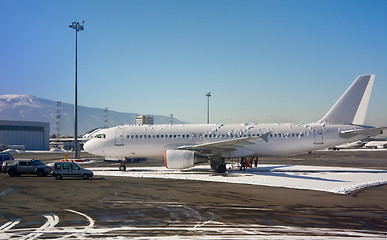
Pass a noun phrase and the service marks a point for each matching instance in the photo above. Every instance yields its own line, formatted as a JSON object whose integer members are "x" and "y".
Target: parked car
{"x": 5, "y": 156}
{"x": 19, "y": 167}
{"x": 70, "y": 169}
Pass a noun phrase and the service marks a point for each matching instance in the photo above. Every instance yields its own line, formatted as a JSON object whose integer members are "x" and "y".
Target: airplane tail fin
{"x": 352, "y": 106}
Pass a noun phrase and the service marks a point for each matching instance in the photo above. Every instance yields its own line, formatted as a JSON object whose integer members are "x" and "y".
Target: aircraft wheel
{"x": 221, "y": 168}
{"x": 213, "y": 166}
{"x": 122, "y": 168}
{"x": 218, "y": 165}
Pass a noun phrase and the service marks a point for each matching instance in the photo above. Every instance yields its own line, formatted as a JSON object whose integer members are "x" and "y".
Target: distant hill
{"x": 31, "y": 108}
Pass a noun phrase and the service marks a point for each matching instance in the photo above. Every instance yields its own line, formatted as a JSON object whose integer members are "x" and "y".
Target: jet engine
{"x": 179, "y": 159}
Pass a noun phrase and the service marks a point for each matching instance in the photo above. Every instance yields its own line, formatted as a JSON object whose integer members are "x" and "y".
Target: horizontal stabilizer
{"x": 369, "y": 132}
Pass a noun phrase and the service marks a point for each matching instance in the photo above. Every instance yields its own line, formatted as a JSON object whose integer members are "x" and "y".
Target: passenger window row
{"x": 229, "y": 135}
{"x": 286, "y": 135}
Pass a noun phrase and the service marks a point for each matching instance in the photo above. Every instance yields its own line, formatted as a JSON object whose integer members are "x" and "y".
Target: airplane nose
{"x": 88, "y": 146}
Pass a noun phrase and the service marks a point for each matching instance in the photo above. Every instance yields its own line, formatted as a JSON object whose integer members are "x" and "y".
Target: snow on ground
{"x": 337, "y": 180}
{"x": 356, "y": 150}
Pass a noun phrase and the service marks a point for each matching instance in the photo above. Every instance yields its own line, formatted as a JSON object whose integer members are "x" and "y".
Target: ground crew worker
{"x": 255, "y": 161}
{"x": 251, "y": 162}
{"x": 243, "y": 164}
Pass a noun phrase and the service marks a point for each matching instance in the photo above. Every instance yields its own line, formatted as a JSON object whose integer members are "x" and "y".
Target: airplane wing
{"x": 219, "y": 146}
{"x": 366, "y": 132}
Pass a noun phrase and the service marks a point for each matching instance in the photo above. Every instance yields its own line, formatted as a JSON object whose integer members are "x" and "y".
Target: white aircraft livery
{"x": 182, "y": 145}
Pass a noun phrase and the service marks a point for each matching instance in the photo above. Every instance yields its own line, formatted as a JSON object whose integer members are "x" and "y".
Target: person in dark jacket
{"x": 243, "y": 164}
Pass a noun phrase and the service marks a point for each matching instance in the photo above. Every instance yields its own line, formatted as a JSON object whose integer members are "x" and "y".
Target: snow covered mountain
{"x": 30, "y": 108}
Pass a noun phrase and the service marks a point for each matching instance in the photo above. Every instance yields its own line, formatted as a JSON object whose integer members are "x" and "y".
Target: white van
{"x": 5, "y": 159}
{"x": 70, "y": 169}
{"x": 5, "y": 156}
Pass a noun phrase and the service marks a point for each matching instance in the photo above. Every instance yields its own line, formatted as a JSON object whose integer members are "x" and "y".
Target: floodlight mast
{"x": 77, "y": 27}
{"x": 208, "y": 107}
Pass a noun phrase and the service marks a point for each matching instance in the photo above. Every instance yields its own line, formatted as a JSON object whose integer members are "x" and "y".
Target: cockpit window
{"x": 101, "y": 135}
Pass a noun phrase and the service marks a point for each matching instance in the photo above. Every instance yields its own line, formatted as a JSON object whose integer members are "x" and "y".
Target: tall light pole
{"x": 77, "y": 27}
{"x": 208, "y": 107}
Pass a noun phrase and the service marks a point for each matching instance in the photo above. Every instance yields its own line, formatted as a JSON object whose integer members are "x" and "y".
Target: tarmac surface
{"x": 107, "y": 207}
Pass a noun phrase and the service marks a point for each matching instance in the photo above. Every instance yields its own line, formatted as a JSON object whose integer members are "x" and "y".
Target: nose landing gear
{"x": 122, "y": 165}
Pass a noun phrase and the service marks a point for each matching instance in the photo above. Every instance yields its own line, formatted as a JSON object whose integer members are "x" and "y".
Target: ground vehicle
{"x": 19, "y": 167}
{"x": 5, "y": 156}
{"x": 70, "y": 169}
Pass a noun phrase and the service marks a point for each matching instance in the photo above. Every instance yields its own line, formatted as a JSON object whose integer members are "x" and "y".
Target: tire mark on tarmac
{"x": 91, "y": 221}
{"x": 52, "y": 220}
{"x": 85, "y": 230}
{"x": 8, "y": 226}
{"x": 5, "y": 227}
{"x": 201, "y": 230}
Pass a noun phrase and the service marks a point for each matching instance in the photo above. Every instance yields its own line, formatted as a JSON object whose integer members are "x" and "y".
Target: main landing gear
{"x": 218, "y": 164}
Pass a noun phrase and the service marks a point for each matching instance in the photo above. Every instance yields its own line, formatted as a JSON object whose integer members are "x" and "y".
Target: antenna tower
{"x": 106, "y": 120}
{"x": 57, "y": 118}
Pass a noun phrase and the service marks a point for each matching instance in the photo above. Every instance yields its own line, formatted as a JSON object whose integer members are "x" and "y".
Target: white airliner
{"x": 376, "y": 144}
{"x": 182, "y": 145}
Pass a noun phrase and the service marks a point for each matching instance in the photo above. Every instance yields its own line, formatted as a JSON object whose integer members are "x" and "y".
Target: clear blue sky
{"x": 263, "y": 61}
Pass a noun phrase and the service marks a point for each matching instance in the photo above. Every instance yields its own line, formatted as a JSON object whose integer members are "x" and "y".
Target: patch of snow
{"x": 13, "y": 151}
{"x": 58, "y": 150}
{"x": 15, "y": 100}
{"x": 336, "y": 180}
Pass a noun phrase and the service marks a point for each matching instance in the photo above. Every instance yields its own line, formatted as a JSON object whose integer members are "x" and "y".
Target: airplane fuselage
{"x": 151, "y": 141}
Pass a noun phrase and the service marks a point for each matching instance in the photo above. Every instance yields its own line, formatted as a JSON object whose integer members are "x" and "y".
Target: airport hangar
{"x": 31, "y": 135}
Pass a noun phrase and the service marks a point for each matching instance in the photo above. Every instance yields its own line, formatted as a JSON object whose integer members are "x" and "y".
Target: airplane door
{"x": 120, "y": 136}
{"x": 194, "y": 136}
{"x": 318, "y": 135}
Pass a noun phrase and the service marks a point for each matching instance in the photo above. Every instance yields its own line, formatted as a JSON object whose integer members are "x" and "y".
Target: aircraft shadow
{"x": 276, "y": 171}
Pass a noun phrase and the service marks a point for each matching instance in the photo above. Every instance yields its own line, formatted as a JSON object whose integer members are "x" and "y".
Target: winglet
{"x": 352, "y": 106}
